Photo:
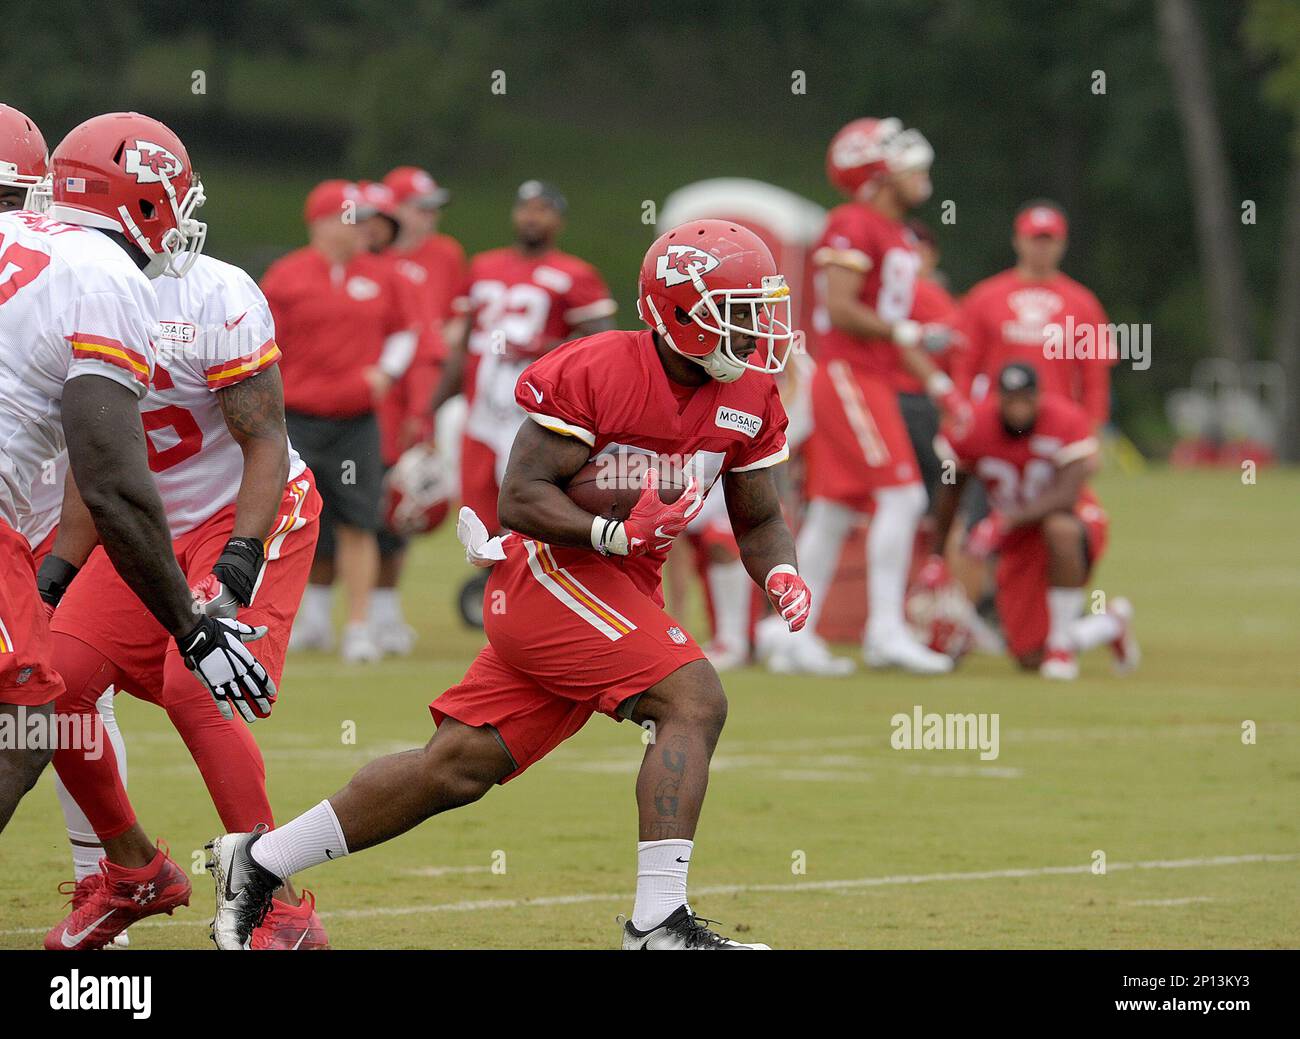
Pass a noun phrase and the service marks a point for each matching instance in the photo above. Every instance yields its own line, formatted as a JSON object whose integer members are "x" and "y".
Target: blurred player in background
{"x": 242, "y": 510}
{"x": 859, "y": 457}
{"x": 348, "y": 327}
{"x": 78, "y": 303}
{"x": 935, "y": 309}
{"x": 520, "y": 302}
{"x": 1009, "y": 317}
{"x": 1034, "y": 452}
{"x": 585, "y": 630}
{"x": 435, "y": 265}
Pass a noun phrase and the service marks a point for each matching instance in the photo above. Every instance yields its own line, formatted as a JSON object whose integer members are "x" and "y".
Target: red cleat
{"x": 82, "y": 889}
{"x": 117, "y": 898}
{"x": 291, "y": 927}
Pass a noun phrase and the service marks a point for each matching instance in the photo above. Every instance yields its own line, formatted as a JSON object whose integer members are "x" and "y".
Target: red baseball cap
{"x": 1041, "y": 220}
{"x": 330, "y": 198}
{"x": 414, "y": 185}
{"x": 376, "y": 198}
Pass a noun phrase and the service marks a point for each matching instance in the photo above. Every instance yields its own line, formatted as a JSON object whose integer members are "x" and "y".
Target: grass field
{"x": 1201, "y": 833}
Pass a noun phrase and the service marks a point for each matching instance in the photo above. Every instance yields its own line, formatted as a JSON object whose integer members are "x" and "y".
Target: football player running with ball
{"x": 583, "y": 629}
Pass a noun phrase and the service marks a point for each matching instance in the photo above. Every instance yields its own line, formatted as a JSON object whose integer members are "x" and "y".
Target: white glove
{"x": 214, "y": 651}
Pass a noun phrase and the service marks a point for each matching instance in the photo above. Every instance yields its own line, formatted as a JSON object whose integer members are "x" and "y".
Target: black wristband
{"x": 239, "y": 566}
{"x": 53, "y": 578}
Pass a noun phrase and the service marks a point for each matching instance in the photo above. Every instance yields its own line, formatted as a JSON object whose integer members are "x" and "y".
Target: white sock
{"x": 889, "y": 557}
{"x": 386, "y": 608}
{"x": 317, "y": 605}
{"x": 314, "y": 837}
{"x": 87, "y": 851}
{"x": 825, "y": 526}
{"x": 1064, "y": 608}
{"x": 1095, "y": 630}
{"x": 729, "y": 590}
{"x": 660, "y": 881}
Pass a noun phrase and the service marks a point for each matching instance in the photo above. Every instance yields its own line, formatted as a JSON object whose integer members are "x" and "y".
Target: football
{"x": 610, "y": 484}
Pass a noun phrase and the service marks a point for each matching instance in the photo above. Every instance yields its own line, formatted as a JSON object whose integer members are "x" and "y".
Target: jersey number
{"x": 516, "y": 311}
{"x": 19, "y": 266}
{"x": 1007, "y": 490}
{"x": 188, "y": 435}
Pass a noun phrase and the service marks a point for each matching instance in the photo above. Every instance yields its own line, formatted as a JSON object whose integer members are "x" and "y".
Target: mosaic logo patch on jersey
{"x": 677, "y": 635}
{"x": 176, "y": 331}
{"x": 677, "y": 264}
{"x": 740, "y": 421}
{"x": 150, "y": 162}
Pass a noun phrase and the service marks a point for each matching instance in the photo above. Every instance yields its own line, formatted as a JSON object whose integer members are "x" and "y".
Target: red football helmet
{"x": 126, "y": 172}
{"x": 418, "y": 491}
{"x": 693, "y": 277}
{"x": 938, "y": 617}
{"x": 24, "y": 159}
{"x": 867, "y": 150}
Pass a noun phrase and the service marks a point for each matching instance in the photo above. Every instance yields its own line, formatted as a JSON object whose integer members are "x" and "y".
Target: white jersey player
{"x": 74, "y": 304}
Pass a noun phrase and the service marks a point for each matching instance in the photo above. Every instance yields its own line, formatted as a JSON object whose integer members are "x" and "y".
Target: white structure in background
{"x": 1230, "y": 403}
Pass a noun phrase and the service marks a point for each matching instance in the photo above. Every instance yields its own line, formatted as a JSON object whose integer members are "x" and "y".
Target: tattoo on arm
{"x": 761, "y": 532}
{"x": 254, "y": 407}
{"x": 254, "y": 412}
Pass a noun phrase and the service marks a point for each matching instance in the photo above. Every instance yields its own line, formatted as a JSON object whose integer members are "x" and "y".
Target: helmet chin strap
{"x": 719, "y": 365}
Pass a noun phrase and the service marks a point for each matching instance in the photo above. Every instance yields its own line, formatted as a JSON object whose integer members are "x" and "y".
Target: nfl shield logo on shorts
{"x": 677, "y": 635}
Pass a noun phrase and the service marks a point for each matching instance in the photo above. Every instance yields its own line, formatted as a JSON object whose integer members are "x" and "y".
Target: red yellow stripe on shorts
{"x": 87, "y": 347}
{"x": 6, "y": 643}
{"x": 227, "y": 373}
{"x": 574, "y": 594}
{"x": 290, "y": 519}
{"x": 856, "y": 411}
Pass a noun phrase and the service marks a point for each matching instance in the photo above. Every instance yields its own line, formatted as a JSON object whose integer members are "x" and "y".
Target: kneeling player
{"x": 1034, "y": 454}
{"x": 584, "y": 629}
{"x": 242, "y": 509}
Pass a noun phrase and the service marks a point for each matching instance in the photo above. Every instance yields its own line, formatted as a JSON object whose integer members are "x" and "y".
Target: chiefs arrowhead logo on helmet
{"x": 677, "y": 264}
{"x": 150, "y": 162}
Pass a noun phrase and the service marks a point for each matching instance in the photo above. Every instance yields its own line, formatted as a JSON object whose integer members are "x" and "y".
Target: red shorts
{"x": 1022, "y": 580}
{"x": 478, "y": 481}
{"x": 859, "y": 441}
{"x": 100, "y": 610}
{"x": 563, "y": 643}
{"x": 26, "y": 673}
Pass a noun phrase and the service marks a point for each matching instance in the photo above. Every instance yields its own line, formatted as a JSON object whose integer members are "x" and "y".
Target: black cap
{"x": 1018, "y": 378}
{"x": 548, "y": 193}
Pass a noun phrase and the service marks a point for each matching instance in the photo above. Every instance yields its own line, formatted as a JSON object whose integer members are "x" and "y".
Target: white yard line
{"x": 795, "y": 888}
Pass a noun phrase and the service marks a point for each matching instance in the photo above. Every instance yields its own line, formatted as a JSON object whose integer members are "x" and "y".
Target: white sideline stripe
{"x": 444, "y": 871}
{"x": 1170, "y": 901}
{"x": 738, "y": 889}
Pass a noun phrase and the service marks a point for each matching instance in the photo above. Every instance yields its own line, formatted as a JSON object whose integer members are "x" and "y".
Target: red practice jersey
{"x": 1016, "y": 469}
{"x": 331, "y": 321}
{"x": 1006, "y": 318}
{"x": 611, "y": 392}
{"x": 863, "y": 239}
{"x": 527, "y": 304}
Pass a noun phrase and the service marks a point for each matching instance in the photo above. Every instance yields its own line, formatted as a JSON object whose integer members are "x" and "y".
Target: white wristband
{"x": 608, "y": 537}
{"x": 906, "y": 333}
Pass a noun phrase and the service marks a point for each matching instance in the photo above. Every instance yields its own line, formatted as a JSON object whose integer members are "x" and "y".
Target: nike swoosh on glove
{"x": 214, "y": 650}
{"x": 789, "y": 595}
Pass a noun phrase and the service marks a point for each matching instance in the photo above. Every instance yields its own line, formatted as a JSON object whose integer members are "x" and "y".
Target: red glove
{"x": 933, "y": 574}
{"x": 789, "y": 595}
{"x": 652, "y": 524}
{"x": 986, "y": 536}
{"x": 957, "y": 412}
